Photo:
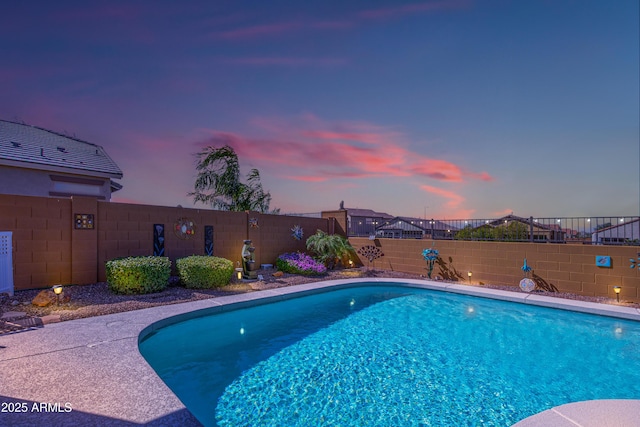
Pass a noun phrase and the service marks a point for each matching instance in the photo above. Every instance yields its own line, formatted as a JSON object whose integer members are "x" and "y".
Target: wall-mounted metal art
{"x": 83, "y": 221}
{"x": 158, "y": 239}
{"x": 297, "y": 232}
{"x": 208, "y": 240}
{"x": 184, "y": 228}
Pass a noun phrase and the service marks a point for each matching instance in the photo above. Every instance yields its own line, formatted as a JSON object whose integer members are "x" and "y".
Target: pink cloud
{"x": 307, "y": 178}
{"x": 332, "y": 25}
{"x": 482, "y": 176}
{"x": 415, "y": 8}
{"x": 117, "y": 199}
{"x": 454, "y": 199}
{"x": 281, "y": 28}
{"x": 371, "y": 138}
{"x": 451, "y": 208}
{"x": 110, "y": 12}
{"x": 344, "y": 150}
{"x": 269, "y": 30}
{"x": 259, "y": 30}
{"x": 285, "y": 61}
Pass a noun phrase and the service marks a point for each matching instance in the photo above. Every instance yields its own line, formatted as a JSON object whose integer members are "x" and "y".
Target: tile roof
{"x": 367, "y": 213}
{"x": 421, "y": 223}
{"x": 36, "y": 146}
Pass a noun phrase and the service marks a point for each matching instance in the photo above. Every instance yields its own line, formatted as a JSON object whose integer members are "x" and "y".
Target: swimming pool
{"x": 392, "y": 355}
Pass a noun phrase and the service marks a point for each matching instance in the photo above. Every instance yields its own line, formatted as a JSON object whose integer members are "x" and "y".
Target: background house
{"x": 513, "y": 228}
{"x": 402, "y": 227}
{"x": 363, "y": 222}
{"x": 535, "y": 231}
{"x": 39, "y": 162}
{"x": 624, "y": 233}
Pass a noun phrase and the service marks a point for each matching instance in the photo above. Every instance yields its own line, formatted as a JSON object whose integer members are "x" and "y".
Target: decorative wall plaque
{"x": 158, "y": 239}
{"x": 208, "y": 240}
{"x": 297, "y": 232}
{"x": 184, "y": 228}
{"x": 83, "y": 221}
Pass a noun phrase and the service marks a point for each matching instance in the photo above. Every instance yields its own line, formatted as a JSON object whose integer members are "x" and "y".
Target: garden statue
{"x": 431, "y": 256}
{"x": 248, "y": 261}
{"x": 527, "y": 284}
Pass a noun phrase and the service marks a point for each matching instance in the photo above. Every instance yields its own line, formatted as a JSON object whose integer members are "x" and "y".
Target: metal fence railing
{"x": 619, "y": 230}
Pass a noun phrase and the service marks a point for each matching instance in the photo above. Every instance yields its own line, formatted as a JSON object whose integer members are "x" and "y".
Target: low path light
{"x": 617, "y": 290}
{"x": 57, "y": 289}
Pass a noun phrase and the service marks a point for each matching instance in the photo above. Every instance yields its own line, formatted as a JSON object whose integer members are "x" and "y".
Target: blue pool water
{"x": 392, "y": 355}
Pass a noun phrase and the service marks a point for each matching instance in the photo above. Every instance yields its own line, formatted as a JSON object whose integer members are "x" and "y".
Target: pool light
{"x": 617, "y": 290}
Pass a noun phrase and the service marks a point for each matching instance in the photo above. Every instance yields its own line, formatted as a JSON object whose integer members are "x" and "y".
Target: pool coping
{"x": 93, "y": 366}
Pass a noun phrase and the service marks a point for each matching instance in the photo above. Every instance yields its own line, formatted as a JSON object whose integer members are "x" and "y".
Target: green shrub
{"x": 138, "y": 275}
{"x": 204, "y": 271}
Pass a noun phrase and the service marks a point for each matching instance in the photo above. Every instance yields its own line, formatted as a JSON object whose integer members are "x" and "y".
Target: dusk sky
{"x": 444, "y": 108}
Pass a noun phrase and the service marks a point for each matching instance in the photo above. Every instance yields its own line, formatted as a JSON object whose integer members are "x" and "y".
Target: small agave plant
{"x": 431, "y": 256}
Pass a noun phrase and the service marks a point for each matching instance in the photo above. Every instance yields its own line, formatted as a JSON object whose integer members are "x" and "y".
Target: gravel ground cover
{"x": 96, "y": 299}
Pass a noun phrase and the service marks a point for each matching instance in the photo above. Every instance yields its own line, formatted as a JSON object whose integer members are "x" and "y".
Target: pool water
{"x": 392, "y": 355}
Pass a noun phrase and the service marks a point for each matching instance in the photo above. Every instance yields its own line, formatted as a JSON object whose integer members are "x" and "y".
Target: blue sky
{"x": 449, "y": 109}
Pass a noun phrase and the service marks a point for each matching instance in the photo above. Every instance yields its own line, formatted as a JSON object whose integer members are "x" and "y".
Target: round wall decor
{"x": 184, "y": 228}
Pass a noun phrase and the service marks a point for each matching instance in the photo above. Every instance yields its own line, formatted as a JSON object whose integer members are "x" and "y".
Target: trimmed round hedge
{"x": 204, "y": 271}
{"x": 138, "y": 275}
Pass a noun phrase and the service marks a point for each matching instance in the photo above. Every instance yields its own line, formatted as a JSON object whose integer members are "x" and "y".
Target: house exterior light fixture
{"x": 617, "y": 290}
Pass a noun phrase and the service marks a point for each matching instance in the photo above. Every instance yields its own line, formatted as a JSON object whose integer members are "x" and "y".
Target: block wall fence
{"x": 48, "y": 249}
{"x": 570, "y": 267}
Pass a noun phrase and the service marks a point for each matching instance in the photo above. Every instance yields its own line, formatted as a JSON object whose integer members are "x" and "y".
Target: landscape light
{"x": 469, "y": 275}
{"x": 57, "y": 289}
{"x": 617, "y": 290}
{"x": 239, "y": 273}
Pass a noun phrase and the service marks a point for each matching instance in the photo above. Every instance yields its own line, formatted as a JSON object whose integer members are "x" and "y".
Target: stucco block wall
{"x": 41, "y": 240}
{"x": 48, "y": 249}
{"x": 339, "y": 221}
{"x": 570, "y": 267}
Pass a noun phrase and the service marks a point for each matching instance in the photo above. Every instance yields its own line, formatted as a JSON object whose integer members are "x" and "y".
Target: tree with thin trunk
{"x": 218, "y": 183}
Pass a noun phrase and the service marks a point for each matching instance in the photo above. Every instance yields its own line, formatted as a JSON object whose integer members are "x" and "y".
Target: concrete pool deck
{"x": 90, "y": 372}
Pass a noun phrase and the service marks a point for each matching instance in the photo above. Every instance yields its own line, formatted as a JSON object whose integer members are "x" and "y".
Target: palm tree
{"x": 330, "y": 248}
{"x": 218, "y": 183}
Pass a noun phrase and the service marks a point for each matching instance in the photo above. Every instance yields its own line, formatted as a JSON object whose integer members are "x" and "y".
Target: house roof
{"x": 500, "y": 221}
{"x": 423, "y": 224}
{"x": 367, "y": 213}
{"x": 613, "y": 227}
{"x": 33, "y": 147}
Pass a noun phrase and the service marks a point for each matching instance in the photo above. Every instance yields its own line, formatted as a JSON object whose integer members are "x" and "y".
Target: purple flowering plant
{"x": 299, "y": 263}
